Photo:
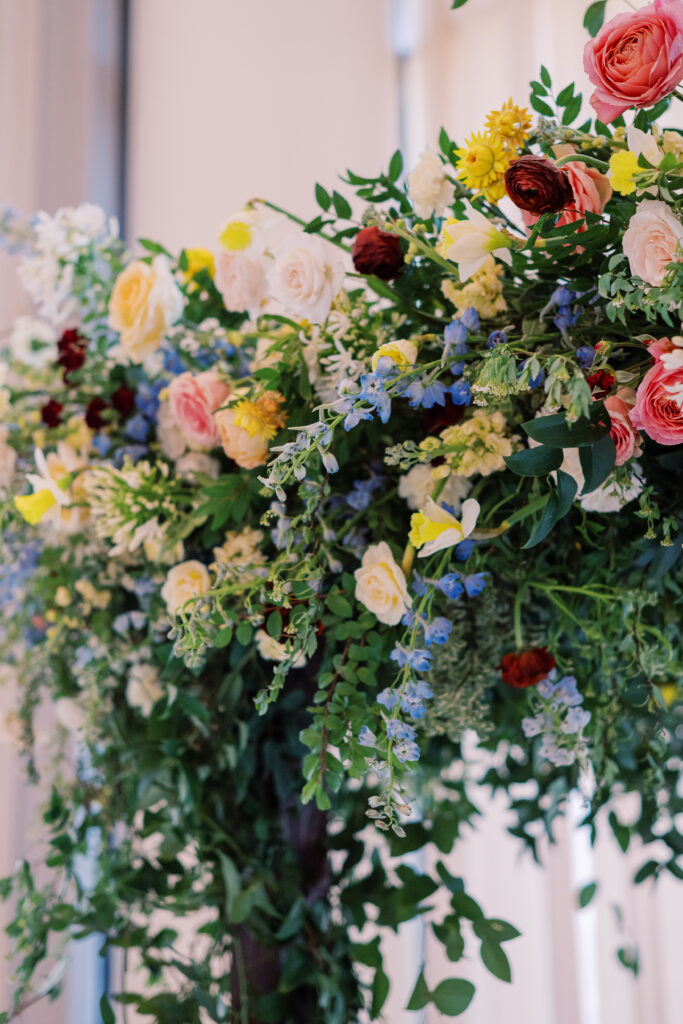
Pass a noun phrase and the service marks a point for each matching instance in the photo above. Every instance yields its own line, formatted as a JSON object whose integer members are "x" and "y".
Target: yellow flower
{"x": 623, "y": 166}
{"x": 237, "y": 235}
{"x": 262, "y": 418}
{"x": 34, "y": 506}
{"x": 483, "y": 291}
{"x": 199, "y": 259}
{"x": 402, "y": 353}
{"x": 434, "y": 528}
{"x": 482, "y": 162}
{"x": 669, "y": 692}
{"x": 511, "y": 124}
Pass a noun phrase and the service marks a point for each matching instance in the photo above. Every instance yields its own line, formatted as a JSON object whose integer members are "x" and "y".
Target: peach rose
{"x": 241, "y": 280}
{"x": 626, "y": 438}
{"x": 636, "y": 59}
{"x": 193, "y": 401}
{"x": 144, "y": 302}
{"x": 247, "y": 451}
{"x": 651, "y": 240}
{"x": 381, "y": 585}
{"x": 592, "y": 191}
{"x": 659, "y": 399}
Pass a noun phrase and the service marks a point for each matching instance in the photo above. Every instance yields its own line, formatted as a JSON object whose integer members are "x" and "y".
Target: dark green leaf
{"x": 108, "y": 1015}
{"x": 494, "y": 930}
{"x": 651, "y": 867}
{"x": 466, "y": 906}
{"x": 458, "y": 3}
{"x": 597, "y": 462}
{"x": 420, "y": 996}
{"x": 322, "y": 197}
{"x": 395, "y": 166}
{"x": 545, "y": 76}
{"x": 496, "y": 961}
{"x": 594, "y": 17}
{"x": 453, "y": 996}
{"x": 534, "y": 461}
{"x": 338, "y": 605}
{"x": 558, "y": 504}
{"x": 557, "y": 433}
{"x": 587, "y": 893}
{"x": 274, "y": 625}
{"x": 565, "y": 95}
{"x": 380, "y": 991}
{"x": 341, "y": 206}
{"x": 540, "y": 106}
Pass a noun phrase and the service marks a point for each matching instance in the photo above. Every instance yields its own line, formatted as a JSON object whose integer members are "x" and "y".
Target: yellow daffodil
{"x": 623, "y": 166}
{"x": 34, "y": 506}
{"x": 237, "y": 234}
{"x": 402, "y": 353}
{"x": 482, "y": 162}
{"x": 199, "y": 259}
{"x": 510, "y": 124}
{"x": 434, "y": 528}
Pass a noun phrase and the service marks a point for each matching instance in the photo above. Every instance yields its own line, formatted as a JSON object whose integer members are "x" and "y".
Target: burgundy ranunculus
{"x": 123, "y": 400}
{"x": 51, "y": 413}
{"x": 601, "y": 383}
{"x": 537, "y": 185}
{"x": 93, "y": 414}
{"x": 71, "y": 347}
{"x": 377, "y": 252}
{"x": 526, "y": 668}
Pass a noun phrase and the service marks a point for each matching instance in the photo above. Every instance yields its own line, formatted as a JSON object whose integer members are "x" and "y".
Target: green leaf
{"x": 572, "y": 109}
{"x": 651, "y": 867}
{"x": 466, "y": 906}
{"x": 154, "y": 247}
{"x": 223, "y": 637}
{"x": 274, "y": 625}
{"x": 341, "y": 206}
{"x": 594, "y": 17}
{"x": 545, "y": 76}
{"x": 540, "y": 106}
{"x": 597, "y": 462}
{"x": 496, "y": 961}
{"x": 629, "y": 959}
{"x": 380, "y": 991}
{"x": 395, "y": 166}
{"x": 338, "y": 605}
{"x": 587, "y": 893}
{"x": 448, "y": 933}
{"x": 534, "y": 461}
{"x": 458, "y": 3}
{"x": 565, "y": 95}
{"x": 244, "y": 634}
{"x": 558, "y": 504}
{"x": 445, "y": 144}
{"x": 322, "y": 197}
{"x": 108, "y": 1015}
{"x": 231, "y": 880}
{"x": 556, "y": 432}
{"x": 622, "y": 833}
{"x": 420, "y": 996}
{"x": 453, "y": 996}
{"x": 494, "y": 930}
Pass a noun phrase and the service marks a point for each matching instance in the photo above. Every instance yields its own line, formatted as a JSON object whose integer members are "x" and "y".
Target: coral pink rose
{"x": 591, "y": 189}
{"x": 626, "y": 438}
{"x": 247, "y": 451}
{"x": 651, "y": 240}
{"x": 636, "y": 59}
{"x": 659, "y": 400}
{"x": 193, "y": 402}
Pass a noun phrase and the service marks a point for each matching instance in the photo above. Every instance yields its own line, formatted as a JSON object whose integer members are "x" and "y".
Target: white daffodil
{"x": 472, "y": 240}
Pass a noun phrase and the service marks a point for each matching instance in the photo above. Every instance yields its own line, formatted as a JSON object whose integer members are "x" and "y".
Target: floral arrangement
{"x": 293, "y": 527}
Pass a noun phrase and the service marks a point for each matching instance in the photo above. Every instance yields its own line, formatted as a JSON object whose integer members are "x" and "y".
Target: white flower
{"x": 144, "y": 688}
{"x": 471, "y": 241}
{"x": 381, "y": 585}
{"x": 433, "y": 528}
{"x": 191, "y": 463}
{"x": 70, "y": 715}
{"x": 183, "y": 582}
{"x": 429, "y": 190}
{"x": 241, "y": 279}
{"x": 418, "y": 484}
{"x": 306, "y": 276}
{"x": 609, "y": 496}
{"x": 32, "y": 341}
{"x": 643, "y": 144}
{"x": 271, "y": 649}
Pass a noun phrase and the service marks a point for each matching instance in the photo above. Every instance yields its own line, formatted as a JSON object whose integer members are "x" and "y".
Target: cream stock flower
{"x": 144, "y": 303}
{"x": 429, "y": 190}
{"x": 417, "y": 485}
{"x": 183, "y": 582}
{"x": 381, "y": 585}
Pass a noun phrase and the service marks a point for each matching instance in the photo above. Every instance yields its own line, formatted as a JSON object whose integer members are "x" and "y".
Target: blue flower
{"x": 496, "y": 338}
{"x": 585, "y": 356}
{"x": 173, "y": 363}
{"x": 414, "y": 696}
{"x": 372, "y": 391}
{"x": 101, "y": 444}
{"x": 451, "y": 585}
{"x": 398, "y": 730}
{"x": 400, "y": 656}
{"x": 464, "y": 549}
{"x": 455, "y": 337}
{"x": 538, "y": 380}
{"x": 566, "y": 691}
{"x": 388, "y": 699}
{"x": 457, "y": 369}
{"x": 134, "y": 451}
{"x": 147, "y": 398}
{"x": 470, "y": 318}
{"x": 438, "y": 631}
{"x": 460, "y": 392}
{"x": 475, "y": 583}
{"x": 407, "y": 751}
{"x": 562, "y": 296}
{"x": 419, "y": 584}
{"x": 575, "y": 719}
{"x": 137, "y": 428}
{"x": 354, "y": 417}
{"x": 564, "y": 319}
{"x": 366, "y": 737}
{"x": 425, "y": 396}
{"x": 420, "y": 660}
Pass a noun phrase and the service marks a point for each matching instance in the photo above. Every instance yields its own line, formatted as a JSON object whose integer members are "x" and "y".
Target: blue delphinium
{"x": 388, "y": 699}
{"x": 414, "y": 696}
{"x": 496, "y": 338}
{"x": 398, "y": 730}
{"x": 407, "y": 751}
{"x": 137, "y": 428}
{"x": 437, "y": 631}
{"x": 585, "y": 356}
{"x": 425, "y": 396}
{"x": 451, "y": 585}
{"x": 464, "y": 549}
{"x": 455, "y": 337}
{"x": 372, "y": 391}
{"x": 366, "y": 737}
{"x": 460, "y": 392}
{"x": 474, "y": 583}
{"x": 470, "y": 318}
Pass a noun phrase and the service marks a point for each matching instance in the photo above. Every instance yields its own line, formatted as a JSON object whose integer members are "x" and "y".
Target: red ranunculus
{"x": 71, "y": 348}
{"x": 601, "y": 384}
{"x": 93, "y": 414}
{"x": 51, "y": 413}
{"x": 537, "y": 185}
{"x": 123, "y": 400}
{"x": 377, "y": 252}
{"x": 526, "y": 668}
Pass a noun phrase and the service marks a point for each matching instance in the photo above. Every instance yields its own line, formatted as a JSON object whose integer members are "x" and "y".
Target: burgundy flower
{"x": 123, "y": 401}
{"x": 93, "y": 414}
{"x": 51, "y": 413}
{"x": 526, "y": 668}
{"x": 537, "y": 185}
{"x": 71, "y": 347}
{"x": 377, "y": 252}
{"x": 601, "y": 384}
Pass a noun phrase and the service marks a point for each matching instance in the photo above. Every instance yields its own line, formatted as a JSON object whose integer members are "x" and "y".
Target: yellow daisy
{"x": 510, "y": 124}
{"x": 482, "y": 162}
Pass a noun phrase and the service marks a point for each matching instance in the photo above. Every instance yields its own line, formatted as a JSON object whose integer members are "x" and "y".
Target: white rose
{"x": 652, "y": 240}
{"x": 381, "y": 585}
{"x": 143, "y": 689}
{"x": 418, "y": 484}
{"x": 183, "y": 582}
{"x": 429, "y": 190}
{"x": 305, "y": 278}
{"x": 240, "y": 278}
{"x": 197, "y": 462}
{"x": 32, "y": 341}
{"x": 271, "y": 649}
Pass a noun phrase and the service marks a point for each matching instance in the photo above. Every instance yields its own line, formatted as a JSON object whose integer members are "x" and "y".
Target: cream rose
{"x": 144, "y": 689}
{"x": 240, "y": 278}
{"x": 183, "y": 582}
{"x": 271, "y": 649}
{"x": 651, "y": 240}
{"x": 193, "y": 401}
{"x": 247, "y": 451}
{"x": 381, "y": 585}
{"x": 305, "y": 278}
{"x": 418, "y": 484}
{"x": 429, "y": 190}
{"x": 144, "y": 303}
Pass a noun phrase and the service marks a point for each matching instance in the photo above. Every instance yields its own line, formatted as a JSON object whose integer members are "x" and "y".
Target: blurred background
{"x": 171, "y": 115}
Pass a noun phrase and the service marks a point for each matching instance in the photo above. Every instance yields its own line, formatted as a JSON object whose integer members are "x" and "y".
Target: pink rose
{"x": 636, "y": 59}
{"x": 651, "y": 240}
{"x": 592, "y": 191}
{"x": 193, "y": 402}
{"x": 659, "y": 399}
{"x": 625, "y": 436}
{"x": 241, "y": 280}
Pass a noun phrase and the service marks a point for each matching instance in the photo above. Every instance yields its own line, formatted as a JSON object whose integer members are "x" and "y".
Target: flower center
{"x": 480, "y": 160}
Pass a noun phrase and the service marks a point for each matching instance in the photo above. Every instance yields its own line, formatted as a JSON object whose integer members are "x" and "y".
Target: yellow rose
{"x": 381, "y": 585}
{"x": 238, "y": 444}
{"x": 183, "y": 582}
{"x": 144, "y": 303}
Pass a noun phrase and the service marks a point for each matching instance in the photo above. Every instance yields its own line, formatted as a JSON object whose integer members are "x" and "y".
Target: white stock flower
{"x": 306, "y": 276}
{"x": 429, "y": 190}
{"x": 381, "y": 585}
{"x": 471, "y": 240}
{"x": 32, "y": 341}
{"x": 70, "y": 715}
{"x": 191, "y": 463}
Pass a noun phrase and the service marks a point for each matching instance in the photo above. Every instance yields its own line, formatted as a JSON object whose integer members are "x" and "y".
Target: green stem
{"x": 298, "y": 220}
{"x": 583, "y": 158}
{"x": 517, "y": 614}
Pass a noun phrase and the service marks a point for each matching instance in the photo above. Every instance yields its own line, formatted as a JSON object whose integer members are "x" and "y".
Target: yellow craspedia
{"x": 623, "y": 166}
{"x": 199, "y": 259}
{"x": 402, "y": 353}
{"x": 424, "y": 529}
{"x": 511, "y": 124}
{"x": 34, "y": 506}
{"x": 236, "y": 235}
{"x": 482, "y": 162}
